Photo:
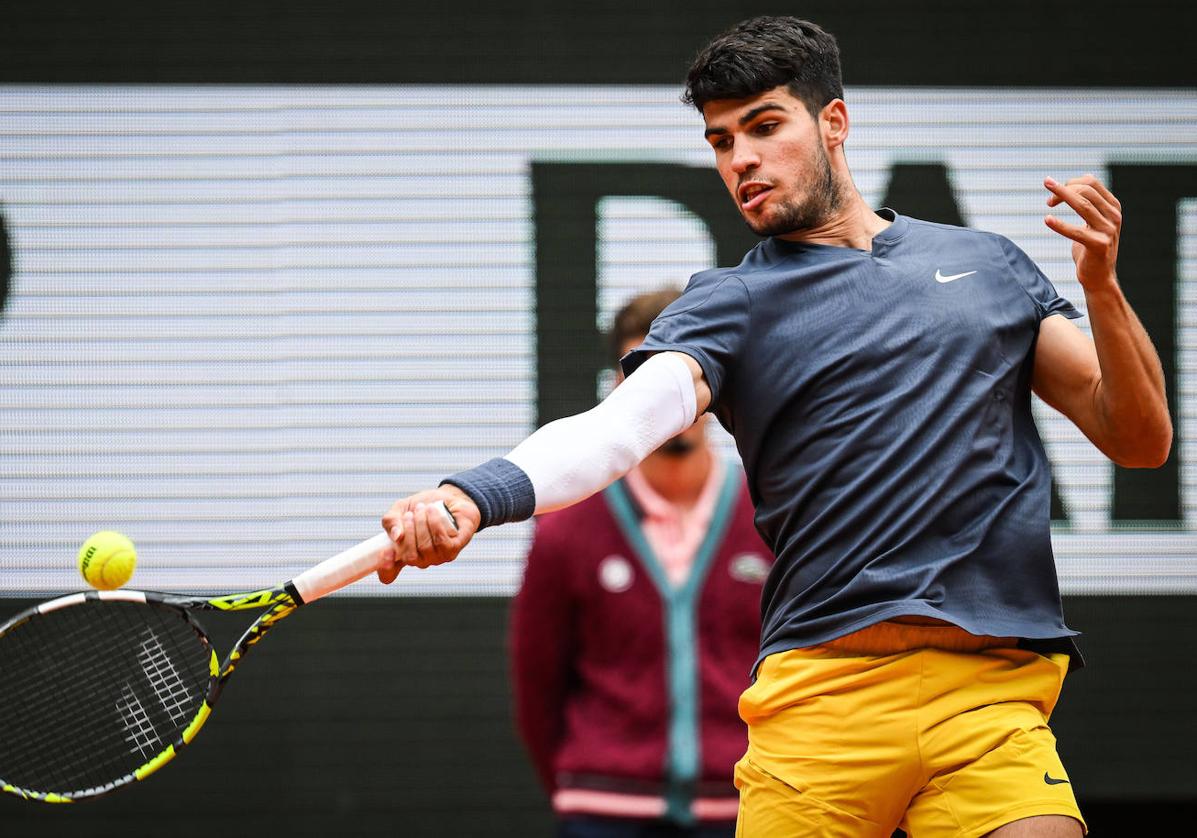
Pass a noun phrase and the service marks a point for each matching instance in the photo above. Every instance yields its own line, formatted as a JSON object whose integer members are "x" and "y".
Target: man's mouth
{"x": 753, "y": 194}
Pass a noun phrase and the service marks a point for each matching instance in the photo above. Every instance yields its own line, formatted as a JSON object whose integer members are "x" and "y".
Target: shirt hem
{"x": 789, "y": 643}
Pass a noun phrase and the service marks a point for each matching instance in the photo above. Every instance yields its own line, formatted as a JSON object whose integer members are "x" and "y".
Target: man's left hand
{"x": 1094, "y": 244}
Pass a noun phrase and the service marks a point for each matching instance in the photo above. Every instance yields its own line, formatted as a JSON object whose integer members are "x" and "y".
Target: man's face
{"x": 770, "y": 154}
{"x": 689, "y": 439}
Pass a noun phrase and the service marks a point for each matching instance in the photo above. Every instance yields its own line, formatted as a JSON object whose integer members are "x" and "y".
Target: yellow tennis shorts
{"x": 922, "y": 727}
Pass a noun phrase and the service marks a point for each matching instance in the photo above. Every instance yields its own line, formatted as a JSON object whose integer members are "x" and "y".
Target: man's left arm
{"x": 1110, "y": 386}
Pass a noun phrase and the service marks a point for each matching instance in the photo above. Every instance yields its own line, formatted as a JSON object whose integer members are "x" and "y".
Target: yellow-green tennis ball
{"x": 107, "y": 559}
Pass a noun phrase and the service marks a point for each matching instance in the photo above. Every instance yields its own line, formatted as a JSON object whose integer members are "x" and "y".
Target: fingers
{"x": 1104, "y": 191}
{"x": 406, "y": 549}
{"x": 392, "y": 525}
{"x": 442, "y": 526}
{"x": 1084, "y": 181}
{"x": 388, "y": 574}
{"x": 435, "y": 535}
{"x": 1095, "y": 248}
{"x": 423, "y": 534}
{"x": 1093, "y": 202}
{"x": 424, "y": 542}
{"x": 1082, "y": 235}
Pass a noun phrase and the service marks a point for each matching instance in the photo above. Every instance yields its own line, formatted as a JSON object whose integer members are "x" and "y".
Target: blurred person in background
{"x": 633, "y": 634}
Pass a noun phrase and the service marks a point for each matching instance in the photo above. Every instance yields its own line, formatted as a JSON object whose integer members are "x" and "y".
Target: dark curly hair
{"x": 766, "y": 52}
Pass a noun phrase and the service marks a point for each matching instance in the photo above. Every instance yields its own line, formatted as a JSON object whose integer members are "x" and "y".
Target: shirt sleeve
{"x": 542, "y": 647}
{"x": 709, "y": 322}
{"x": 1036, "y": 285}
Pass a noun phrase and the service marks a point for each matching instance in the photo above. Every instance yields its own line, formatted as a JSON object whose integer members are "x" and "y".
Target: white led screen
{"x": 243, "y": 319}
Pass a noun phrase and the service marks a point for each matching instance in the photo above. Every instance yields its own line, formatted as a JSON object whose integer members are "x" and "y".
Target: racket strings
{"x": 139, "y": 732}
{"x": 48, "y": 704}
{"x": 30, "y": 751}
{"x": 90, "y": 693}
{"x": 37, "y": 703}
{"x": 164, "y": 677}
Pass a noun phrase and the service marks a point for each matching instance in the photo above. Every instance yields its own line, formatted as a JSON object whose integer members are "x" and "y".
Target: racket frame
{"x": 278, "y": 602}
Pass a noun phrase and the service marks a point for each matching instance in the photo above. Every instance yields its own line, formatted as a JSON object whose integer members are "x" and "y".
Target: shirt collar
{"x": 659, "y": 509}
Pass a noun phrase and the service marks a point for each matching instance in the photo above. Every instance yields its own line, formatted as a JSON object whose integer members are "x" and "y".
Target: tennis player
{"x": 876, "y": 372}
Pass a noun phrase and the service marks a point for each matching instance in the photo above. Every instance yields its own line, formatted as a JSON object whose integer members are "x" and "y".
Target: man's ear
{"x": 833, "y": 123}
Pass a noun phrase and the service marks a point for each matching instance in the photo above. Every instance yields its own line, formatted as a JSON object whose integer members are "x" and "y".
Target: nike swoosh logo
{"x": 1052, "y": 781}
{"x": 941, "y": 278}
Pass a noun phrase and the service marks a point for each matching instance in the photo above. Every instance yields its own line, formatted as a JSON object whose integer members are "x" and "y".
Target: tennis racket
{"x": 100, "y": 689}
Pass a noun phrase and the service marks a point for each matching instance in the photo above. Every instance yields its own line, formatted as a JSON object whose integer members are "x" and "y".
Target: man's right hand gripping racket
{"x": 99, "y": 689}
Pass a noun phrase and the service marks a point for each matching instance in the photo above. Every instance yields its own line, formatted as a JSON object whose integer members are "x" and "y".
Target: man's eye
{"x": 766, "y": 128}
{"x": 722, "y": 144}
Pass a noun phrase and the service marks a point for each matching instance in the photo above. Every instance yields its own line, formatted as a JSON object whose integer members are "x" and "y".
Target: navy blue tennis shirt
{"x": 881, "y": 402}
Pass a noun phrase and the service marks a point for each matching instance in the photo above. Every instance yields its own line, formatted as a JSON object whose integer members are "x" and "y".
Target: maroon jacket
{"x": 626, "y": 697}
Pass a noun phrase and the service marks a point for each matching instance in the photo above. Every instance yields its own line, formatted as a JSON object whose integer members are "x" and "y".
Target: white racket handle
{"x": 353, "y": 564}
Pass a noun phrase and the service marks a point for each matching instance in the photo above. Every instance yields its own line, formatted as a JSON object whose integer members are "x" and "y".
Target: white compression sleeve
{"x": 572, "y": 458}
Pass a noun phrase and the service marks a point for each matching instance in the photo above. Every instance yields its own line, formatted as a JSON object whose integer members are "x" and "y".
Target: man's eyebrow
{"x": 760, "y": 109}
{"x": 748, "y": 117}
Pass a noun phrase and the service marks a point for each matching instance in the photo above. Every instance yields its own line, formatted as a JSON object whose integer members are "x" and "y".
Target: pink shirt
{"x": 674, "y": 532}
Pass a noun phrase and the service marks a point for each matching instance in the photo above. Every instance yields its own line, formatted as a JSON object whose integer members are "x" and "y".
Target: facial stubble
{"x": 823, "y": 200}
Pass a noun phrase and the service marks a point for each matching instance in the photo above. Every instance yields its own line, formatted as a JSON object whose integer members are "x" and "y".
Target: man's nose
{"x": 744, "y": 158}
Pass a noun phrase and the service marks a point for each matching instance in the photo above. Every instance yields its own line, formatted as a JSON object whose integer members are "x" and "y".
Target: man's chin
{"x": 767, "y": 227}
{"x": 758, "y": 230}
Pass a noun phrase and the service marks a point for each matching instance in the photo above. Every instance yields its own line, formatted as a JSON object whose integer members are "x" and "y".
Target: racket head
{"x": 98, "y": 690}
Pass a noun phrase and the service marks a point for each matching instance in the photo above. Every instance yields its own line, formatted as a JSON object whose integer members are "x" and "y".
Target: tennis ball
{"x": 107, "y": 559}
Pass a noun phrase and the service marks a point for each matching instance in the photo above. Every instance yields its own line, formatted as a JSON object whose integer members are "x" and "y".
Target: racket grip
{"x": 353, "y": 564}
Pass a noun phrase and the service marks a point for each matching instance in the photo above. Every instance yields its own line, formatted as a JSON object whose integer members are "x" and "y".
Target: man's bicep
{"x": 702, "y": 390}
{"x": 1066, "y": 373}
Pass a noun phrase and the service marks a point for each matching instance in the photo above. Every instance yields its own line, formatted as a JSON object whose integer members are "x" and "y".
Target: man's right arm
{"x": 564, "y": 462}
{"x": 702, "y": 391}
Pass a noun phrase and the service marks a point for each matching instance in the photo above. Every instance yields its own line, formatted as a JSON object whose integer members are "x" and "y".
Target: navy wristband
{"x": 500, "y": 489}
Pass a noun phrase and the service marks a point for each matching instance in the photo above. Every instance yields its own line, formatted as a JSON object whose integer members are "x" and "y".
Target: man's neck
{"x": 679, "y": 480}
{"x": 853, "y": 226}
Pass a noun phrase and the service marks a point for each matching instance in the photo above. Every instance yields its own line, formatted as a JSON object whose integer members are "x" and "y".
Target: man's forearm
{"x": 1130, "y": 397}
{"x": 570, "y": 459}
